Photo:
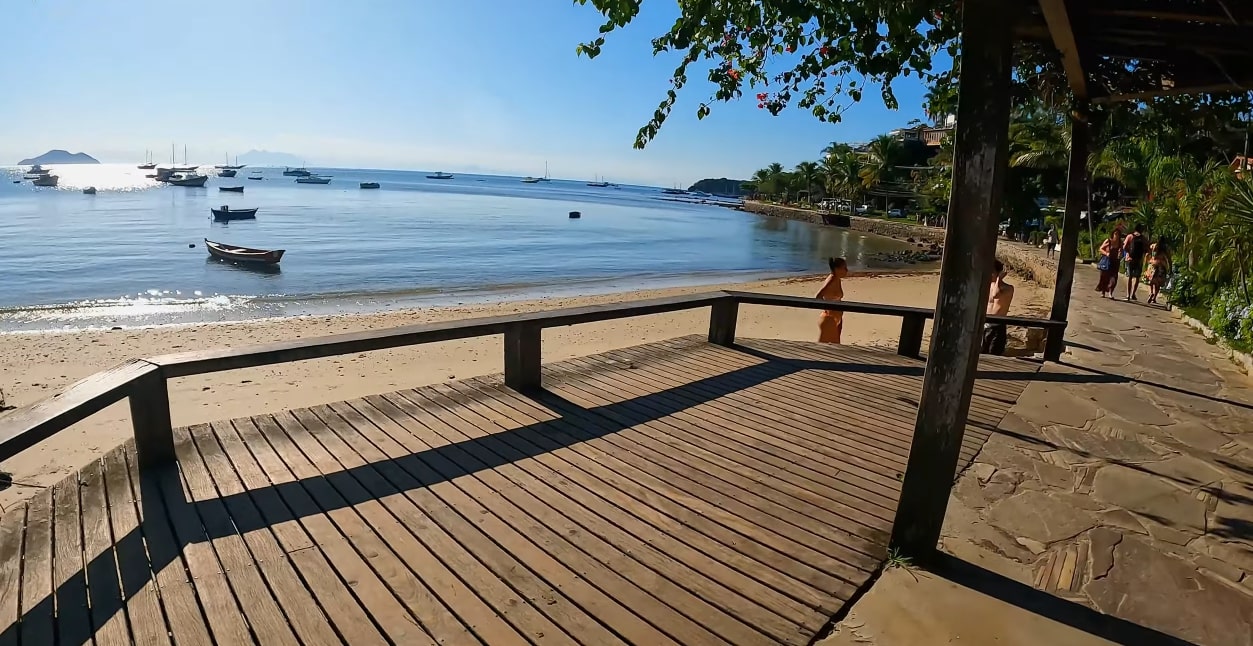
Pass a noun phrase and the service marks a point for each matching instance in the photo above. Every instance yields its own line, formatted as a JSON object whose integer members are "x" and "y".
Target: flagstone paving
{"x": 1123, "y": 480}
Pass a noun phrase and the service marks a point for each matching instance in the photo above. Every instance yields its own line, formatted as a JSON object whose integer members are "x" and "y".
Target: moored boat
{"x": 226, "y": 172}
{"x": 369, "y": 184}
{"x": 188, "y": 179}
{"x": 225, "y": 214}
{"x": 36, "y": 172}
{"x": 231, "y": 189}
{"x": 46, "y": 180}
{"x": 296, "y": 172}
{"x": 532, "y": 180}
{"x": 256, "y": 174}
{"x": 313, "y": 179}
{"x": 90, "y": 190}
{"x": 243, "y": 254}
{"x": 440, "y": 175}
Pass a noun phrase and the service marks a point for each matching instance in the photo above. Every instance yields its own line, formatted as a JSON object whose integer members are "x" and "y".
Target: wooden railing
{"x": 143, "y": 381}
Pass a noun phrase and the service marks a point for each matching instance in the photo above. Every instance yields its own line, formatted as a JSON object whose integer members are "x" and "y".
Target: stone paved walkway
{"x": 1124, "y": 479}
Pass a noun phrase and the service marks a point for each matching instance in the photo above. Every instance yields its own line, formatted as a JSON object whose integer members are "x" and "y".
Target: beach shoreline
{"x": 36, "y": 366}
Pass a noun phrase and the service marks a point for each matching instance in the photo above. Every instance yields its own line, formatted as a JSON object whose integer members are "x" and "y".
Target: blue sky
{"x": 467, "y": 85}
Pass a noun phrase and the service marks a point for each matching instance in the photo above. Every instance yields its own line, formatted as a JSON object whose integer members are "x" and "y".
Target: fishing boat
{"x": 46, "y": 180}
{"x": 545, "y": 178}
{"x": 256, "y": 174}
{"x": 226, "y": 172}
{"x": 90, "y": 190}
{"x": 313, "y": 179}
{"x": 231, "y": 189}
{"x": 225, "y": 214}
{"x": 243, "y": 254}
{"x": 187, "y": 179}
{"x": 148, "y": 163}
{"x": 36, "y": 172}
{"x": 440, "y": 175}
{"x": 369, "y": 184}
{"x": 296, "y": 172}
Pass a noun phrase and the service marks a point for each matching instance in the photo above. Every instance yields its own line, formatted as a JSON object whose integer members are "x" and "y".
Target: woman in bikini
{"x": 831, "y": 322}
{"x": 1111, "y": 256}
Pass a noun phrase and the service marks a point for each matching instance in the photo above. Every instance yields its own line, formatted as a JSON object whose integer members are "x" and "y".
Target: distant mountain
{"x": 60, "y": 157}
{"x": 720, "y": 186}
{"x": 268, "y": 158}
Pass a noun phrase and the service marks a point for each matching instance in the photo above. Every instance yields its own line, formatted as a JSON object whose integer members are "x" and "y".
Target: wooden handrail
{"x": 27, "y": 426}
{"x": 193, "y": 363}
{"x": 143, "y": 381}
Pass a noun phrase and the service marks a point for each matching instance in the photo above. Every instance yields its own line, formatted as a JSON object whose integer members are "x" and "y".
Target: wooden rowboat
{"x": 243, "y": 254}
{"x": 226, "y": 214}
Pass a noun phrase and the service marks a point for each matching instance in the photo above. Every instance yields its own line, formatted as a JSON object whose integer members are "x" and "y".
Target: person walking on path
{"x": 831, "y": 322}
{"x": 1000, "y": 295}
{"x": 1050, "y": 242}
{"x": 1135, "y": 248}
{"x": 1159, "y": 268}
{"x": 1111, "y": 255}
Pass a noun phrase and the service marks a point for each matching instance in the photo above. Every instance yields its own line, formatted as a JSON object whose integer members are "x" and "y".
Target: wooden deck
{"x": 677, "y": 492}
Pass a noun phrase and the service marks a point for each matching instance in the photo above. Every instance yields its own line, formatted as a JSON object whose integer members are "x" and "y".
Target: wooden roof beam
{"x": 1062, "y": 30}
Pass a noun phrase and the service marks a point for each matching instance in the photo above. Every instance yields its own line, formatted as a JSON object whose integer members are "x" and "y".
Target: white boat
{"x": 36, "y": 172}
{"x": 46, "y": 180}
{"x": 440, "y": 175}
{"x": 313, "y": 179}
{"x": 531, "y": 180}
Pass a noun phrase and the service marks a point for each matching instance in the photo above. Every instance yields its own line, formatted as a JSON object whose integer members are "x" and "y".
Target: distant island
{"x": 720, "y": 186}
{"x": 60, "y": 157}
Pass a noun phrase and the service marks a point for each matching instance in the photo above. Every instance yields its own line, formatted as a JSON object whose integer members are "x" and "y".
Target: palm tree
{"x": 806, "y": 177}
{"x": 841, "y": 173}
{"x": 1200, "y": 194}
{"x": 1230, "y": 232}
{"x": 835, "y": 148}
{"x": 881, "y": 161}
{"x": 771, "y": 180}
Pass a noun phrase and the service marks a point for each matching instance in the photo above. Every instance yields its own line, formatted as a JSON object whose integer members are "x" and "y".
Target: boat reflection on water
{"x": 251, "y": 267}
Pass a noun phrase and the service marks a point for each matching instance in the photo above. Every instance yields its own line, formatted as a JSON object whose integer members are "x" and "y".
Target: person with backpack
{"x": 1135, "y": 248}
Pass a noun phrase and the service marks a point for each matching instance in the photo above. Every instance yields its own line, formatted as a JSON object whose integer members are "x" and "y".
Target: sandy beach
{"x": 36, "y": 366}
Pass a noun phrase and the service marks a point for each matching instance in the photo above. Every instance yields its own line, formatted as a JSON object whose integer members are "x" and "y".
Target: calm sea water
{"x": 123, "y": 256}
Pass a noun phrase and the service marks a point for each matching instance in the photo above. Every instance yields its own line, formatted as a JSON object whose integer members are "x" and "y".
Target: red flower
{"x": 823, "y": 50}
{"x": 733, "y": 74}
{"x": 761, "y": 96}
{"x": 790, "y": 49}
{"x": 761, "y": 105}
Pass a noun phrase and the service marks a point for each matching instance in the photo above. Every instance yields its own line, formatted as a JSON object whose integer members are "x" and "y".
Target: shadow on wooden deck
{"x": 676, "y": 492}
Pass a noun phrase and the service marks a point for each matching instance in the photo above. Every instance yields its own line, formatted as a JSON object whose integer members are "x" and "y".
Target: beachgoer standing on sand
{"x": 1159, "y": 268}
{"x": 1135, "y": 248}
{"x": 1050, "y": 242}
{"x": 1000, "y": 295}
{"x": 831, "y": 322}
{"x": 1111, "y": 255}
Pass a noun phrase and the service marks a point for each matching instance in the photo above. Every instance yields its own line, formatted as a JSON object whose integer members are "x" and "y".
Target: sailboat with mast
{"x": 229, "y": 166}
{"x": 148, "y": 163}
{"x": 535, "y": 180}
{"x": 599, "y": 183}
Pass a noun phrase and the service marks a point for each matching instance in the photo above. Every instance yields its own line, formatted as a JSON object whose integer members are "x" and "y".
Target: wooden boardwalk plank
{"x": 362, "y": 557}
{"x": 611, "y": 506}
{"x": 761, "y": 610}
{"x": 335, "y": 573}
{"x": 36, "y": 591}
{"x": 620, "y": 575}
{"x": 108, "y": 608}
{"x": 139, "y": 591}
{"x": 544, "y": 614}
{"x": 226, "y": 619}
{"x": 555, "y": 568}
{"x": 648, "y": 487}
{"x": 740, "y": 454}
{"x": 68, "y": 577}
{"x": 723, "y": 425}
{"x": 12, "y": 532}
{"x": 183, "y": 614}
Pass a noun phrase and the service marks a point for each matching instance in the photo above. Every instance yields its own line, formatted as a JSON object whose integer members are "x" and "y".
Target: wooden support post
{"x": 522, "y": 356}
{"x": 150, "y": 419}
{"x": 910, "y": 343}
{"x": 1076, "y": 198}
{"x": 722, "y": 318}
{"x": 980, "y": 160}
